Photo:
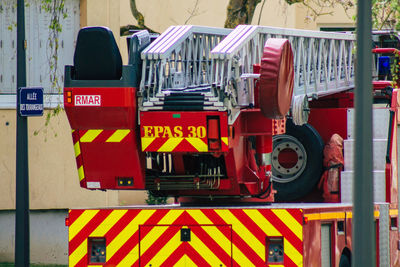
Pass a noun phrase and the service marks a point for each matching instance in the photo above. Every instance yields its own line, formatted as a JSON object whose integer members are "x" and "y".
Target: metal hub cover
{"x": 285, "y": 174}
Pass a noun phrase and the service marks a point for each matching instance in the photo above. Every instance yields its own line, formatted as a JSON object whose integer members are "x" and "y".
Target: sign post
{"x": 22, "y": 174}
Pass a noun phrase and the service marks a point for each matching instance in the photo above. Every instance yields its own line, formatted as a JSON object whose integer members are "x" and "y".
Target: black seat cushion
{"x": 97, "y": 56}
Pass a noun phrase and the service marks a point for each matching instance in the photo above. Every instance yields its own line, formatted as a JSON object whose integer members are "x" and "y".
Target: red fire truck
{"x": 251, "y": 130}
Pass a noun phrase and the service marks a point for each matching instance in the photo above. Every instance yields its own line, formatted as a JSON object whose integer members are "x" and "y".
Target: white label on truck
{"x": 93, "y": 185}
{"x": 87, "y": 100}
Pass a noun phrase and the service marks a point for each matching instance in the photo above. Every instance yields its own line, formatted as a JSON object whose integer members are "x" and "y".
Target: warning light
{"x": 213, "y": 133}
{"x": 125, "y": 181}
{"x": 67, "y": 221}
{"x": 69, "y": 97}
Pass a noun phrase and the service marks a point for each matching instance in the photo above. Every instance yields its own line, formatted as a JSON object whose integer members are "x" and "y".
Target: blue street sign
{"x": 30, "y": 101}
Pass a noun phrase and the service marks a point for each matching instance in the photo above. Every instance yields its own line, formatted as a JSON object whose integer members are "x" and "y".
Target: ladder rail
{"x": 180, "y": 58}
{"x": 323, "y": 62}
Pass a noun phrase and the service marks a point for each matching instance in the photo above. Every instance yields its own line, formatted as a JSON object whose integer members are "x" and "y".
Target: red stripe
{"x": 156, "y": 144}
{"x": 161, "y": 241}
{"x": 297, "y": 214}
{"x": 79, "y": 161}
{"x": 83, "y": 262}
{"x": 134, "y": 239}
{"x": 287, "y": 262}
{"x": 158, "y": 244}
{"x": 185, "y": 249}
{"x": 186, "y": 146}
{"x": 174, "y": 256}
{"x": 88, "y": 229}
{"x": 117, "y": 229}
{"x": 129, "y": 138}
{"x": 249, "y": 224}
{"x": 184, "y": 220}
{"x": 75, "y": 136}
{"x": 211, "y": 243}
{"x": 73, "y": 215}
{"x": 283, "y": 229}
{"x": 81, "y": 133}
{"x": 217, "y": 220}
{"x": 103, "y": 136}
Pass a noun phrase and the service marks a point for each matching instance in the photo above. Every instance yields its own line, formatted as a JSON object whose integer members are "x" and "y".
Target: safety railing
{"x": 323, "y": 62}
{"x": 179, "y": 60}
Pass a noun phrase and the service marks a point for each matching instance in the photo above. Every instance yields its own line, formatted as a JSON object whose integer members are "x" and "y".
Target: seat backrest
{"x": 97, "y": 56}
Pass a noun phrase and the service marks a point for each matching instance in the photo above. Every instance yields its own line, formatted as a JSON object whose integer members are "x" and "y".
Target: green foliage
{"x": 386, "y": 14}
{"x": 394, "y": 70}
{"x": 56, "y": 11}
{"x": 155, "y": 200}
{"x": 55, "y": 8}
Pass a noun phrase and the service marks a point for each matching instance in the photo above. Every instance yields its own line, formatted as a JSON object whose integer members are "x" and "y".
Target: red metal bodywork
{"x": 105, "y": 137}
{"x": 188, "y": 131}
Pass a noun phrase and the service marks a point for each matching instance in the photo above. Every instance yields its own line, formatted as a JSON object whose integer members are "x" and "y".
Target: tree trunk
{"x": 240, "y": 12}
{"x": 126, "y": 30}
{"x": 137, "y": 15}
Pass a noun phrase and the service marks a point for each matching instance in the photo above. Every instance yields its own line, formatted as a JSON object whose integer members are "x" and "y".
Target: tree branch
{"x": 240, "y": 12}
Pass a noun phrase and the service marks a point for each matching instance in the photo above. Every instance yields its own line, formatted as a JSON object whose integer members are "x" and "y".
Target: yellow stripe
{"x": 203, "y": 250}
{"x": 109, "y": 222}
{"x": 262, "y": 222}
{"x": 350, "y": 214}
{"x": 131, "y": 258}
{"x": 245, "y": 234}
{"x": 225, "y": 140}
{"x": 166, "y": 250}
{"x": 291, "y": 222}
{"x": 81, "y": 173}
{"x": 127, "y": 232}
{"x": 78, "y": 253}
{"x": 157, "y": 231}
{"x": 79, "y": 223}
{"x": 146, "y": 141}
{"x": 225, "y": 243}
{"x": 240, "y": 258}
{"x": 333, "y": 215}
{"x": 77, "y": 149}
{"x": 214, "y": 232}
{"x": 393, "y": 212}
{"x": 292, "y": 253}
{"x": 90, "y": 135}
{"x": 198, "y": 144}
{"x": 325, "y": 216}
{"x": 118, "y": 135}
{"x": 185, "y": 261}
{"x": 170, "y": 144}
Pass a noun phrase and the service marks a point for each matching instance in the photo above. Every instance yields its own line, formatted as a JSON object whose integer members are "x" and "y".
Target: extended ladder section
{"x": 177, "y": 69}
{"x": 323, "y": 62}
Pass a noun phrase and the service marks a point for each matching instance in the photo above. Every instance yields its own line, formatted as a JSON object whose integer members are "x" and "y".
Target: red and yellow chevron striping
{"x": 82, "y": 137}
{"x": 103, "y": 136}
{"x": 179, "y": 144}
{"x": 78, "y": 156}
{"x": 217, "y": 237}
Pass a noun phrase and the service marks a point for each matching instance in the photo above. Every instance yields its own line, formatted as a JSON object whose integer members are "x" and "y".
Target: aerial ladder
{"x": 227, "y": 121}
{"x": 204, "y": 98}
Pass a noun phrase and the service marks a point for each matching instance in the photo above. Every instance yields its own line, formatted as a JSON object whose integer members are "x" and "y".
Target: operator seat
{"x": 97, "y": 56}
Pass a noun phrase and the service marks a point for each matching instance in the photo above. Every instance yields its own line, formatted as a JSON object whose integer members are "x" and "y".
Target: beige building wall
{"x": 53, "y": 175}
{"x": 53, "y": 178}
